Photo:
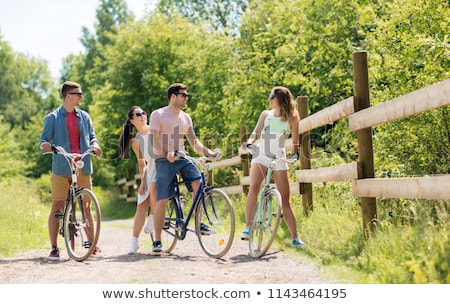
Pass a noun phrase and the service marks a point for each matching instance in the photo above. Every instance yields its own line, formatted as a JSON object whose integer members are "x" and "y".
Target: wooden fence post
{"x": 364, "y": 136}
{"x": 305, "y": 189}
{"x": 244, "y": 158}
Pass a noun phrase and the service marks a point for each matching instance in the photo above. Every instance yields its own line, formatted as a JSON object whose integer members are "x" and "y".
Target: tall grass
{"x": 411, "y": 243}
{"x": 25, "y": 206}
{"x": 23, "y": 224}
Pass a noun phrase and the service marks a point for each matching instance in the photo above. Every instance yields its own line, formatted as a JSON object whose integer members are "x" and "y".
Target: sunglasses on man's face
{"x": 182, "y": 94}
{"x": 143, "y": 113}
{"x": 76, "y": 93}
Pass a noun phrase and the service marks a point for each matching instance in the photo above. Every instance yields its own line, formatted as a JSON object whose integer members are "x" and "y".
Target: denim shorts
{"x": 166, "y": 172}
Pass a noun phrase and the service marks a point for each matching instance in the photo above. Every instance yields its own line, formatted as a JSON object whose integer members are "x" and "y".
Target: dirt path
{"x": 186, "y": 264}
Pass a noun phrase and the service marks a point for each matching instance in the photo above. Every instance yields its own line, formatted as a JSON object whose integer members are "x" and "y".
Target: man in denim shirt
{"x": 72, "y": 129}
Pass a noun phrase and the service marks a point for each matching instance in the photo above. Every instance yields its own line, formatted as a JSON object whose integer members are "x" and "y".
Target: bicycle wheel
{"x": 168, "y": 239}
{"x": 81, "y": 225}
{"x": 217, "y": 212}
{"x": 264, "y": 223}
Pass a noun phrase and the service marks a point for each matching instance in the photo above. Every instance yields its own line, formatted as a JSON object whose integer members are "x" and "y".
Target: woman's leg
{"x": 282, "y": 181}
{"x": 139, "y": 217}
{"x": 149, "y": 226}
{"x": 257, "y": 175}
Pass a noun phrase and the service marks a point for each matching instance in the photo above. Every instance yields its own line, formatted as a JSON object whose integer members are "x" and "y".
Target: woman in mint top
{"x": 273, "y": 127}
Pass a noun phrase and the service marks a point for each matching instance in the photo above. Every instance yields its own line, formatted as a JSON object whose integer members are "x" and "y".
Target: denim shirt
{"x": 55, "y": 131}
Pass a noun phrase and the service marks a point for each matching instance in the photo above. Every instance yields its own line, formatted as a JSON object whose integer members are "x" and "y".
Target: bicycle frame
{"x": 74, "y": 165}
{"x": 266, "y": 187}
{"x": 182, "y": 222}
{"x": 211, "y": 209}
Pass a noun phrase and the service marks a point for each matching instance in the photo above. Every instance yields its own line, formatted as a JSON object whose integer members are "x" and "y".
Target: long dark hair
{"x": 127, "y": 132}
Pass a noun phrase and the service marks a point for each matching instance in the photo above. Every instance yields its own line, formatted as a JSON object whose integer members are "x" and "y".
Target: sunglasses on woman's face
{"x": 143, "y": 113}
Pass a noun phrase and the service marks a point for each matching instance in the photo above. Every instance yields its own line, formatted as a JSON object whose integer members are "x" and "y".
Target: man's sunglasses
{"x": 79, "y": 94}
{"x": 184, "y": 94}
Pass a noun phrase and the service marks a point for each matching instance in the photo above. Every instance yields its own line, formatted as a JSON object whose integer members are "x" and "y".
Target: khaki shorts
{"x": 60, "y": 185}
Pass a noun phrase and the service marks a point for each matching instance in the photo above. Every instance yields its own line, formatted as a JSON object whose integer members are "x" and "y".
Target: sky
{"x": 51, "y": 29}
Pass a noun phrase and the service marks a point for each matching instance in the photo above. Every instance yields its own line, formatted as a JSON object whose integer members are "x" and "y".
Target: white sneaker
{"x": 149, "y": 227}
{"x": 134, "y": 245}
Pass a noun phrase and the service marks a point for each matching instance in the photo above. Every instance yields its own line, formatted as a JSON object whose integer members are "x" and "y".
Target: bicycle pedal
{"x": 58, "y": 215}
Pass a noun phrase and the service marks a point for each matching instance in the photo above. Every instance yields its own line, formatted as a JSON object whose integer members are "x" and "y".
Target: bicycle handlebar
{"x": 202, "y": 160}
{"x": 61, "y": 150}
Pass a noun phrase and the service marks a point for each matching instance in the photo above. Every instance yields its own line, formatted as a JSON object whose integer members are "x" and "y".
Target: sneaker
{"x": 134, "y": 245}
{"x": 205, "y": 230}
{"x": 98, "y": 253}
{"x": 244, "y": 234}
{"x": 297, "y": 242}
{"x": 157, "y": 246}
{"x": 54, "y": 255}
{"x": 149, "y": 227}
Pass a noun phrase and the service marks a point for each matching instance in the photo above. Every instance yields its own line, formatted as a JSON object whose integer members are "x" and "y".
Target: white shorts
{"x": 265, "y": 161}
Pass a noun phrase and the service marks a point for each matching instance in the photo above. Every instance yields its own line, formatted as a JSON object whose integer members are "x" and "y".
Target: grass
{"x": 25, "y": 206}
{"x": 411, "y": 244}
{"x": 23, "y": 224}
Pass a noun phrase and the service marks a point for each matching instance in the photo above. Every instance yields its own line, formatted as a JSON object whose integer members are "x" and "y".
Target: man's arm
{"x": 47, "y": 134}
{"x": 155, "y": 139}
{"x": 197, "y": 145}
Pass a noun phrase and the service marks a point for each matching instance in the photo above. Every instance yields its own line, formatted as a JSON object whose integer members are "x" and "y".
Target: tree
{"x": 111, "y": 14}
{"x": 221, "y": 15}
{"x": 410, "y": 50}
{"x": 25, "y": 84}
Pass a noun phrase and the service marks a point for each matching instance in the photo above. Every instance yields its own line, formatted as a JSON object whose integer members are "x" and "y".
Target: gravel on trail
{"x": 186, "y": 264}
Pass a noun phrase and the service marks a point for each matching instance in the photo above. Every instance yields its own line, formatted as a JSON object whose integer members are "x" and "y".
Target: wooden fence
{"x": 361, "y": 117}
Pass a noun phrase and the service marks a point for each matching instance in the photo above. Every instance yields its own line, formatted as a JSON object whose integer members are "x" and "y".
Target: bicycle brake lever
{"x": 216, "y": 157}
{"x": 93, "y": 151}
{"x": 178, "y": 154}
{"x": 253, "y": 149}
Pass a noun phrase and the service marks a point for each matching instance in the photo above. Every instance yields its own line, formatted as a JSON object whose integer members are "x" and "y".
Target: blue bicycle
{"x": 211, "y": 207}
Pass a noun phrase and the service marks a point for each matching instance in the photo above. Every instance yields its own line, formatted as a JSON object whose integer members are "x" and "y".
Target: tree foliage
{"x": 411, "y": 50}
{"x": 231, "y": 53}
{"x": 221, "y": 15}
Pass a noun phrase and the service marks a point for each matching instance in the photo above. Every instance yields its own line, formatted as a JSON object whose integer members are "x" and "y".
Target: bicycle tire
{"x": 216, "y": 211}
{"x": 264, "y": 223}
{"x": 168, "y": 239}
{"x": 81, "y": 225}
